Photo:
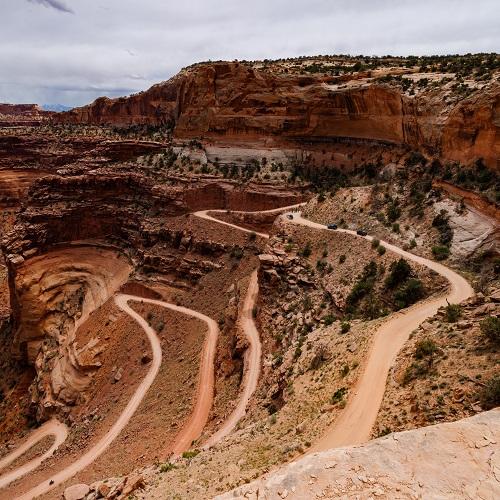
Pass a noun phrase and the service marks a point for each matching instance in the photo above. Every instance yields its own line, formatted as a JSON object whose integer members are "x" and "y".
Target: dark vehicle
{"x": 361, "y": 232}
{"x": 290, "y": 216}
{"x": 332, "y": 226}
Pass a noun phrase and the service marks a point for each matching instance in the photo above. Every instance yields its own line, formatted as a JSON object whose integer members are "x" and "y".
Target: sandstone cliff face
{"x": 234, "y": 103}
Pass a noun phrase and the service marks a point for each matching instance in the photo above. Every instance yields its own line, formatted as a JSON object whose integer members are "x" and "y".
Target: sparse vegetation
{"x": 345, "y": 326}
{"x": 453, "y": 312}
{"x": 490, "y": 327}
{"x": 339, "y": 395}
{"x": 490, "y": 394}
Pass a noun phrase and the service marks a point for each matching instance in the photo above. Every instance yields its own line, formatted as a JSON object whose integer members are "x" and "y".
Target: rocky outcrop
{"x": 403, "y": 465}
{"x": 236, "y": 103}
{"x": 12, "y": 115}
{"x": 52, "y": 295}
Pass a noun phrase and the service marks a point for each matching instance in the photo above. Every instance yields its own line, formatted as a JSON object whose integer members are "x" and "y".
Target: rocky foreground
{"x": 457, "y": 460}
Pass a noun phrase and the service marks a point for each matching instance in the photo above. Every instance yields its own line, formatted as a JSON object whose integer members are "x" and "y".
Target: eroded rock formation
{"x": 339, "y": 124}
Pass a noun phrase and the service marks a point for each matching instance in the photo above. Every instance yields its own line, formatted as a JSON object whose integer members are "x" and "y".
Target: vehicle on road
{"x": 290, "y": 216}
{"x": 332, "y": 226}
{"x": 361, "y": 232}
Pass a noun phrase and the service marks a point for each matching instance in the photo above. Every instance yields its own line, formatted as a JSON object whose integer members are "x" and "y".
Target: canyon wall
{"x": 236, "y": 104}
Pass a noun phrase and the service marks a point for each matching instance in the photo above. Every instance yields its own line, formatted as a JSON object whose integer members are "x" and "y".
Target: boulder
{"x": 76, "y": 492}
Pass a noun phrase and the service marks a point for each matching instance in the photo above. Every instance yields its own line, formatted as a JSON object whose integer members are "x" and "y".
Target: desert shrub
{"x": 375, "y": 243}
{"x": 345, "y": 327}
{"x": 344, "y": 370}
{"x": 342, "y": 259}
{"x": 321, "y": 265}
{"x": 393, "y": 212}
{"x": 453, "y": 312}
{"x": 441, "y": 223}
{"x": 490, "y": 327}
{"x": 306, "y": 251}
{"x": 252, "y": 236}
{"x": 237, "y": 253}
{"x": 329, "y": 319}
{"x": 409, "y": 293}
{"x": 190, "y": 453}
{"x": 381, "y": 250}
{"x": 400, "y": 271}
{"x": 416, "y": 370}
{"x": 167, "y": 466}
{"x": 440, "y": 252}
{"x": 363, "y": 286}
{"x": 490, "y": 394}
{"x": 425, "y": 348}
{"x": 395, "y": 228}
{"x": 338, "y": 395}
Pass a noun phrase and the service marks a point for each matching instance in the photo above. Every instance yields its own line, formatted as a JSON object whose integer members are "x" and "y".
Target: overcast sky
{"x": 72, "y": 51}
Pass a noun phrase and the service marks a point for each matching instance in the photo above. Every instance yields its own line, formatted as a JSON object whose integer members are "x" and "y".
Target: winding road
{"x": 50, "y": 428}
{"x": 251, "y": 362}
{"x": 352, "y": 427}
{"x": 356, "y": 421}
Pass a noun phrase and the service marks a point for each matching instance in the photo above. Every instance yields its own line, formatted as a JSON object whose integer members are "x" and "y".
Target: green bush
{"x": 375, "y": 243}
{"x": 491, "y": 328}
{"x": 440, "y": 252}
{"x": 329, "y": 319}
{"x": 190, "y": 453}
{"x": 409, "y": 293}
{"x": 306, "y": 251}
{"x": 425, "y": 348}
{"x": 416, "y": 370}
{"x": 490, "y": 395}
{"x": 363, "y": 286}
{"x": 342, "y": 259}
{"x": 381, "y": 250}
{"x": 400, "y": 271}
{"x": 453, "y": 313}
{"x": 237, "y": 253}
{"x": 393, "y": 212}
{"x": 345, "y": 327}
{"x": 167, "y": 466}
{"x": 338, "y": 395}
{"x": 441, "y": 223}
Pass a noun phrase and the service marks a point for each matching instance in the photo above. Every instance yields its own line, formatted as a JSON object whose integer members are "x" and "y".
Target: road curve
{"x": 356, "y": 421}
{"x": 98, "y": 449}
{"x": 203, "y": 214}
{"x": 251, "y": 362}
{"x": 50, "y": 428}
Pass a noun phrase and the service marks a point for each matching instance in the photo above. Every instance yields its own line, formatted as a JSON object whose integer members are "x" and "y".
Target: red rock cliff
{"x": 232, "y": 102}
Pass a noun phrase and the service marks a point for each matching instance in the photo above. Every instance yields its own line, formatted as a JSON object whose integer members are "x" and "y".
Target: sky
{"x": 73, "y": 51}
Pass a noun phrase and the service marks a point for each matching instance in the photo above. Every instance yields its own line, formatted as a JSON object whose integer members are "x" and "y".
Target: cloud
{"x": 118, "y": 48}
{"x": 55, "y": 4}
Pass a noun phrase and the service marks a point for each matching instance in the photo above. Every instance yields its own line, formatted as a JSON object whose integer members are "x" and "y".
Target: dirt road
{"x": 50, "y": 428}
{"x": 251, "y": 362}
{"x": 358, "y": 418}
{"x": 203, "y": 214}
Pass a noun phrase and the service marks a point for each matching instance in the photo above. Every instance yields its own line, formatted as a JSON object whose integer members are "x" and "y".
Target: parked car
{"x": 332, "y": 226}
{"x": 290, "y": 216}
{"x": 361, "y": 232}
